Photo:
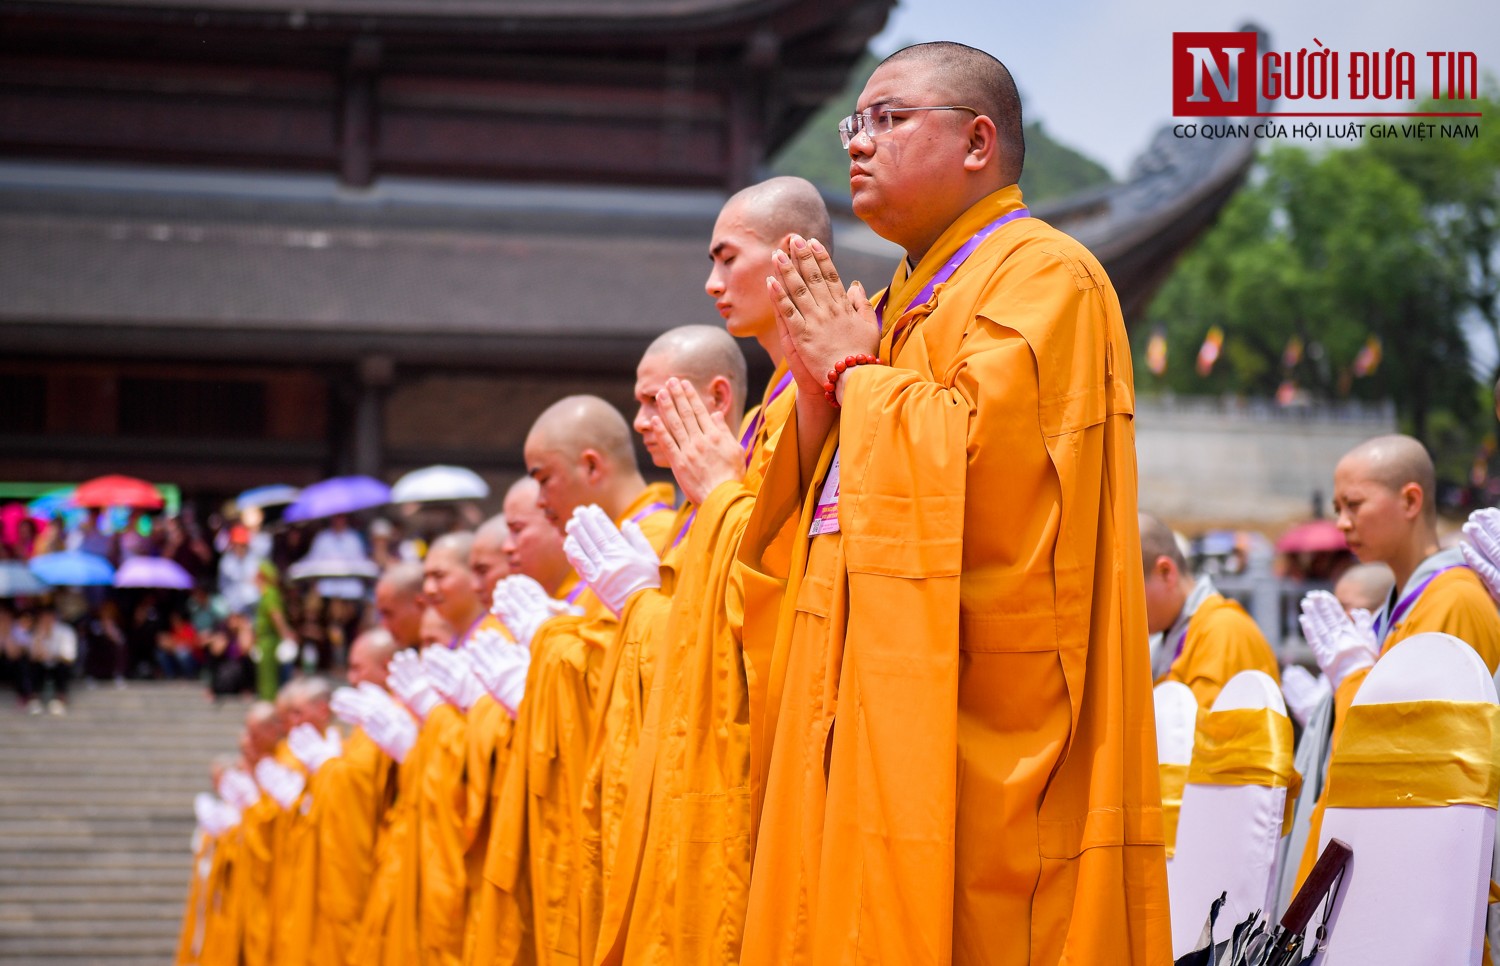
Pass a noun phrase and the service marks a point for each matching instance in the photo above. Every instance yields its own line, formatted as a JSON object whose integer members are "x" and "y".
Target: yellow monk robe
{"x": 529, "y": 906}
{"x": 199, "y": 899}
{"x": 349, "y": 801}
{"x": 486, "y": 749}
{"x": 675, "y": 886}
{"x": 442, "y": 887}
{"x": 966, "y": 660}
{"x": 1222, "y": 640}
{"x": 294, "y": 878}
{"x": 1456, "y": 603}
{"x": 251, "y": 883}
{"x": 387, "y": 934}
{"x": 222, "y": 924}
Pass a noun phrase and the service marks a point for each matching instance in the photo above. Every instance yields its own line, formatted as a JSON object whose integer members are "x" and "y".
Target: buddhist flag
{"x": 1292, "y": 354}
{"x": 1156, "y": 353}
{"x": 1368, "y": 359}
{"x": 1209, "y": 353}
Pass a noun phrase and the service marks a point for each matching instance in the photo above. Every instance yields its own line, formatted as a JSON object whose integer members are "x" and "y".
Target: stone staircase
{"x": 96, "y": 821}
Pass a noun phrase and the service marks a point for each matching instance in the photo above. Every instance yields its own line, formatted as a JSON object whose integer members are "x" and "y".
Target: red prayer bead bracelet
{"x": 831, "y": 384}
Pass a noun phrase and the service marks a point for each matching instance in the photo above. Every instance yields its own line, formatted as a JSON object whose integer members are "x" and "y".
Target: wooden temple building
{"x": 267, "y": 241}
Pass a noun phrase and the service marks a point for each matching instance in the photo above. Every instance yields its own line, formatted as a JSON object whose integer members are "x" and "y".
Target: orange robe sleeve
{"x": 195, "y": 912}
{"x": 991, "y": 781}
{"x": 1222, "y": 640}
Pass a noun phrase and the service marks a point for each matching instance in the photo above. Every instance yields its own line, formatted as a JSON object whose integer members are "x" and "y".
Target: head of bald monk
{"x": 1383, "y": 493}
{"x": 487, "y": 558}
{"x": 398, "y": 600}
{"x": 702, "y": 355}
{"x": 753, "y": 223}
{"x": 310, "y": 703}
{"x": 580, "y": 451}
{"x": 533, "y": 546}
{"x": 1168, "y": 581}
{"x": 436, "y": 630}
{"x": 448, "y": 585}
{"x": 220, "y": 765}
{"x": 1364, "y": 587}
{"x": 264, "y": 727}
{"x": 370, "y": 657}
{"x": 911, "y": 181}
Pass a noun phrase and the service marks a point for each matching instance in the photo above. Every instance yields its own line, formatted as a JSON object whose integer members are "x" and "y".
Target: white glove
{"x": 409, "y": 682}
{"x": 313, "y": 748}
{"x": 452, "y": 677}
{"x": 1482, "y": 549}
{"x": 215, "y": 816}
{"x": 501, "y": 667}
{"x": 615, "y": 561}
{"x": 1303, "y": 692}
{"x": 1339, "y": 644}
{"x": 239, "y": 789}
{"x": 280, "y": 782}
{"x": 388, "y": 724}
{"x": 350, "y": 705}
{"x": 522, "y": 606}
{"x": 287, "y": 651}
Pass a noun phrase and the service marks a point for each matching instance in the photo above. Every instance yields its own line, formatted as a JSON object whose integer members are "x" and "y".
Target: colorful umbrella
{"x": 342, "y": 494}
{"x": 51, "y": 505}
{"x": 154, "y": 572}
{"x": 264, "y": 496}
{"x": 1312, "y": 537}
{"x": 73, "y": 568}
{"x": 106, "y": 491}
{"x": 17, "y": 581}
{"x": 435, "y": 483}
{"x": 333, "y": 567}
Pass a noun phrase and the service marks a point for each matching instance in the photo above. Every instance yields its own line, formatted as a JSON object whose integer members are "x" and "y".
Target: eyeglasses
{"x": 878, "y": 119}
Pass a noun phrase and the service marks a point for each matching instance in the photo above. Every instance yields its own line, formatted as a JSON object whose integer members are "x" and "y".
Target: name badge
{"x": 826, "y": 516}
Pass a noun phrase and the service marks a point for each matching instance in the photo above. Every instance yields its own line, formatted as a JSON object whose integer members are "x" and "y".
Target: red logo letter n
{"x": 1213, "y": 74}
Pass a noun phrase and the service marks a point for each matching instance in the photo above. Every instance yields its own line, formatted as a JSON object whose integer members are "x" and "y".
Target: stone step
{"x": 126, "y": 890}
{"x": 108, "y": 878}
{"x": 85, "y": 844}
{"x": 89, "y": 911}
{"x": 93, "y": 949}
{"x": 93, "y": 828}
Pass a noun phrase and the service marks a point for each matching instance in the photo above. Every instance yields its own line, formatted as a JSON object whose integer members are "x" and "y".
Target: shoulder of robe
{"x": 1221, "y": 616}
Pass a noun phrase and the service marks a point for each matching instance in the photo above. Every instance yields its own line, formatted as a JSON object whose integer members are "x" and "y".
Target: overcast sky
{"x": 1097, "y": 73}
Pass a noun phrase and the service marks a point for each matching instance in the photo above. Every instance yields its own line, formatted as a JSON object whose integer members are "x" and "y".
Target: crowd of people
{"x": 872, "y": 683}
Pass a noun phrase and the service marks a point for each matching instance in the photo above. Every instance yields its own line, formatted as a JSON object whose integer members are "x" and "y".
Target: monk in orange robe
{"x": 677, "y": 884}
{"x": 250, "y": 886}
{"x": 579, "y": 452}
{"x": 1206, "y": 638}
{"x": 1384, "y": 493}
{"x": 350, "y": 794}
{"x": 294, "y": 876}
{"x": 964, "y": 764}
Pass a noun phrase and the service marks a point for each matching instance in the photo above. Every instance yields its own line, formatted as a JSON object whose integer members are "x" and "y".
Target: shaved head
{"x": 580, "y": 451}
{"x": 370, "y": 657}
{"x": 487, "y": 556}
{"x": 975, "y": 79}
{"x": 699, "y": 354}
{"x": 398, "y": 599}
{"x": 264, "y": 726}
{"x": 576, "y": 424}
{"x": 1365, "y": 586}
{"x": 454, "y": 546}
{"x": 310, "y": 703}
{"x": 1157, "y": 541}
{"x": 533, "y": 546}
{"x": 1395, "y": 462}
{"x": 783, "y": 206}
{"x": 448, "y": 584}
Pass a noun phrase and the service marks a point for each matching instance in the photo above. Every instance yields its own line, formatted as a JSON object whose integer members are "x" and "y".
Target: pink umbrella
{"x": 1312, "y": 537}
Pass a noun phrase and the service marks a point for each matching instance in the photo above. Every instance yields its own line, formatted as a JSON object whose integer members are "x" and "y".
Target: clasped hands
{"x": 820, "y": 323}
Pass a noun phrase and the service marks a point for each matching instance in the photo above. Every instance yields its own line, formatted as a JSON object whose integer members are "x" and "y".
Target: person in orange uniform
{"x": 677, "y": 887}
{"x": 1383, "y": 492}
{"x": 580, "y": 453}
{"x": 964, "y": 764}
{"x": 350, "y": 795}
{"x": 1206, "y": 638}
{"x": 708, "y": 360}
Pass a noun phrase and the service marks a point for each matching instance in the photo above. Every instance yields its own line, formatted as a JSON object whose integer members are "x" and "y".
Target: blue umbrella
{"x": 73, "y": 568}
{"x": 156, "y": 572}
{"x": 17, "y": 581}
{"x": 342, "y": 494}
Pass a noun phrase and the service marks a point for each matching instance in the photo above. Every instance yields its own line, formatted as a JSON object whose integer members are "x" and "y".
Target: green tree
{"x": 1394, "y": 239}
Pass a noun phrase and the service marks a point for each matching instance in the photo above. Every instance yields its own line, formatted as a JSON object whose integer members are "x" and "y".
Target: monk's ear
{"x": 1413, "y": 500}
{"x": 984, "y": 145}
{"x": 592, "y": 464}
{"x": 720, "y": 395}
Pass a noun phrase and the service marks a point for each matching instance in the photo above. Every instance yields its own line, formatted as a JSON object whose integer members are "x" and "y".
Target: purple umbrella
{"x": 154, "y": 572}
{"x": 342, "y": 494}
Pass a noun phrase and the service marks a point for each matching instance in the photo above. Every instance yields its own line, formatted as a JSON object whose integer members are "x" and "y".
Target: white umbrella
{"x": 435, "y": 483}
{"x": 333, "y": 567}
